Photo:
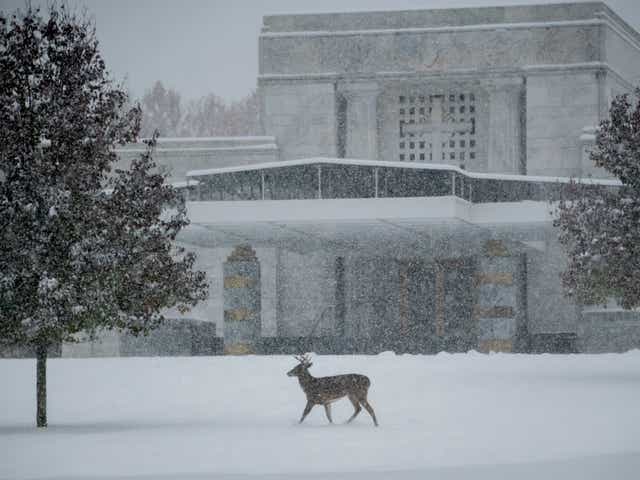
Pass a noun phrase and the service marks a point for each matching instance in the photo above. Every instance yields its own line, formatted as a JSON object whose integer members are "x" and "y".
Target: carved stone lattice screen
{"x": 437, "y": 128}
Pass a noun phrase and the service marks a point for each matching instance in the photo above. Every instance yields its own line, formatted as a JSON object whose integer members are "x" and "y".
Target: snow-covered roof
{"x": 262, "y": 138}
{"x": 182, "y": 184}
{"x": 264, "y": 146}
{"x": 204, "y": 144}
{"x": 185, "y": 184}
{"x": 396, "y": 164}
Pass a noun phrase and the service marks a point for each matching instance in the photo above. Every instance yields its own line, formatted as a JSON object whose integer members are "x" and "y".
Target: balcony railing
{"x": 338, "y": 178}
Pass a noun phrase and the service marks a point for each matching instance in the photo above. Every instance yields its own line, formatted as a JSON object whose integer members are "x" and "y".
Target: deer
{"x": 326, "y": 390}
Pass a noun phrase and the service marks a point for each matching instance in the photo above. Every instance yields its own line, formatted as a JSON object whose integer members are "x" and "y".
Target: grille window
{"x": 437, "y": 126}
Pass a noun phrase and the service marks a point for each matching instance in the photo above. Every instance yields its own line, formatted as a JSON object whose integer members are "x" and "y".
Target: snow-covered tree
{"x": 81, "y": 246}
{"x": 600, "y": 227}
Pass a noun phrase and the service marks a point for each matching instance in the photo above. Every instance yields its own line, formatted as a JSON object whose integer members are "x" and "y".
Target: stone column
{"x": 506, "y": 107}
{"x": 280, "y": 328}
{"x": 269, "y": 265}
{"x": 242, "y": 302}
{"x": 496, "y": 307}
{"x": 362, "y": 120}
{"x": 403, "y": 297}
{"x": 340, "y": 298}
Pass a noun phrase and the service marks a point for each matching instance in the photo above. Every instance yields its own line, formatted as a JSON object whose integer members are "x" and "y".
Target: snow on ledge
{"x": 444, "y": 29}
{"x": 202, "y": 144}
{"x": 230, "y": 148}
{"x": 249, "y": 138}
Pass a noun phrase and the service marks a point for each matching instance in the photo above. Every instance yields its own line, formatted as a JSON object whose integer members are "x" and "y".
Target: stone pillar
{"x": 242, "y": 305}
{"x": 280, "y": 328}
{"x": 496, "y": 307}
{"x": 522, "y": 340}
{"x": 506, "y": 104}
{"x": 340, "y": 298}
{"x": 269, "y": 265}
{"x": 403, "y": 297}
{"x": 604, "y": 100}
{"x": 362, "y": 120}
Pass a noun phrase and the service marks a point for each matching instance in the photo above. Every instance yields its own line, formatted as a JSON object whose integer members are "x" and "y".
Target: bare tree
{"x": 207, "y": 116}
{"x": 161, "y": 111}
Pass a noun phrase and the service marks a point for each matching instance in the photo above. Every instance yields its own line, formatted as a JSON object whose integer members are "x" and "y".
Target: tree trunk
{"x": 41, "y": 385}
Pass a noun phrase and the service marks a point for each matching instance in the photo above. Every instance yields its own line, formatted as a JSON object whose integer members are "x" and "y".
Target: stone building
{"x": 400, "y": 198}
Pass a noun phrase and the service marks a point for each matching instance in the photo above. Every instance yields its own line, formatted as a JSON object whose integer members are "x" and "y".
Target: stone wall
{"x": 622, "y": 53}
{"x": 380, "y": 51}
{"x": 301, "y": 115}
{"x": 177, "y": 156}
{"x": 306, "y": 289}
{"x": 608, "y": 330}
{"x": 559, "y": 106}
{"x": 182, "y": 338}
{"x": 104, "y": 344}
{"x": 372, "y": 297}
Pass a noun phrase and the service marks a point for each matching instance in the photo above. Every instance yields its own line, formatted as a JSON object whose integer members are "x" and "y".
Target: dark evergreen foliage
{"x": 601, "y": 227}
{"x": 81, "y": 246}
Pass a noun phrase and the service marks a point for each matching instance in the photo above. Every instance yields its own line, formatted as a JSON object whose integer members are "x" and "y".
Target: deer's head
{"x": 304, "y": 362}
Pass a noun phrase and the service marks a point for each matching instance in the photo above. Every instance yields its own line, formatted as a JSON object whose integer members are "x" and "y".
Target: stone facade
{"x": 497, "y": 91}
{"x": 540, "y": 73}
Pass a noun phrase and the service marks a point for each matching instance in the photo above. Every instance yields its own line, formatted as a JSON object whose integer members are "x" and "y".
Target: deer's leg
{"x": 307, "y": 409}
{"x": 369, "y": 409}
{"x": 356, "y": 406}
{"x": 327, "y": 410}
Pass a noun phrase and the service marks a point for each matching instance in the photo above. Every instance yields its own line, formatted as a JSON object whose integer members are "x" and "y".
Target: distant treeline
{"x": 208, "y": 116}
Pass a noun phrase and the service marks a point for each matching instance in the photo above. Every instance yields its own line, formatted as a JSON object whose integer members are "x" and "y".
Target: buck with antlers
{"x": 326, "y": 390}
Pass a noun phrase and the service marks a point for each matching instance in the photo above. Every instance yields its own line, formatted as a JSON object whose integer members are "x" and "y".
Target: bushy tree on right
{"x": 600, "y": 227}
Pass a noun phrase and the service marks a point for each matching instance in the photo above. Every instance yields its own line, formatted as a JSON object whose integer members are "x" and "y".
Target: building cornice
{"x": 603, "y": 18}
{"x": 462, "y": 74}
{"x": 447, "y": 29}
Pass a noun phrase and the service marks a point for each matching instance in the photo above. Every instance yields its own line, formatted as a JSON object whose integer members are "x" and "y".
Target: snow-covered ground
{"x": 441, "y": 417}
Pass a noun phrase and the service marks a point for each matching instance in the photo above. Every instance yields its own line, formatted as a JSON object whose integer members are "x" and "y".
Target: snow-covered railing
{"x": 325, "y": 178}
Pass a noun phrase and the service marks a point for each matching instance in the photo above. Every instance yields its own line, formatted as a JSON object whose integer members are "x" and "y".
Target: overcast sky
{"x": 211, "y": 46}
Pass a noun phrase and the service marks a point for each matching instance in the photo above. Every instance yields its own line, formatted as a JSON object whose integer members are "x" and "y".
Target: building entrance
{"x": 436, "y": 305}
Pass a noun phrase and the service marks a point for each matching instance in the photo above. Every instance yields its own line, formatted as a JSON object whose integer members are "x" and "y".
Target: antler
{"x": 304, "y": 359}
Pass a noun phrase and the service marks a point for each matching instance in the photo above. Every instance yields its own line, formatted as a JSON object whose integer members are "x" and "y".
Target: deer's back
{"x": 327, "y": 389}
